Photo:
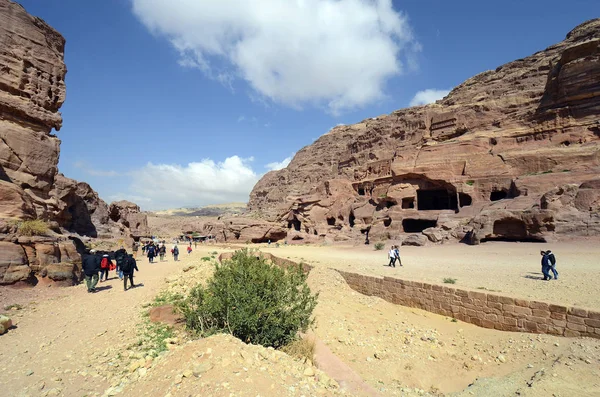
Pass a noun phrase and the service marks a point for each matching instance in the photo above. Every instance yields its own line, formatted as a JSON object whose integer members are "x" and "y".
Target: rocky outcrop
{"x": 238, "y": 229}
{"x": 32, "y": 90}
{"x": 480, "y": 164}
{"x": 130, "y": 216}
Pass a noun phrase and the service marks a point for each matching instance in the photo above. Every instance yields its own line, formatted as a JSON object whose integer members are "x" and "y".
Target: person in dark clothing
{"x": 175, "y": 253}
{"x": 120, "y": 256}
{"x": 151, "y": 253}
{"x": 545, "y": 266}
{"x": 552, "y": 263}
{"x": 90, "y": 264}
{"x": 136, "y": 247}
{"x": 162, "y": 251}
{"x": 128, "y": 267}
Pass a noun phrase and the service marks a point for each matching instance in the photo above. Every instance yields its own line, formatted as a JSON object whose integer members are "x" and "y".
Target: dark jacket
{"x": 551, "y": 258}
{"x": 120, "y": 255}
{"x": 151, "y": 251}
{"x": 129, "y": 265}
{"x": 90, "y": 264}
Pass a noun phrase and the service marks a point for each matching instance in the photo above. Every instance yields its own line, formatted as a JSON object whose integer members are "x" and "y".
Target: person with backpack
{"x": 151, "y": 253}
{"x": 162, "y": 252}
{"x": 175, "y": 253}
{"x": 392, "y": 255}
{"x": 545, "y": 266}
{"x": 128, "y": 267}
{"x": 90, "y": 265}
{"x": 105, "y": 265}
{"x": 120, "y": 256}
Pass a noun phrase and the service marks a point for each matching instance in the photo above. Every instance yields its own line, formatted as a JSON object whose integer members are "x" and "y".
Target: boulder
{"x": 64, "y": 273}
{"x": 417, "y": 240}
{"x": 5, "y": 324}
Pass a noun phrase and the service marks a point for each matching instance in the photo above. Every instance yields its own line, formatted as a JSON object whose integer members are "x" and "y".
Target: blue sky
{"x": 176, "y": 103}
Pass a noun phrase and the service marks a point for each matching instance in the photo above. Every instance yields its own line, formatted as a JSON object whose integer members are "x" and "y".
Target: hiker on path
{"x": 397, "y": 254}
{"x": 162, "y": 251}
{"x": 129, "y": 266}
{"x": 136, "y": 246}
{"x": 91, "y": 266}
{"x": 189, "y": 249}
{"x": 175, "y": 253}
{"x": 105, "y": 265}
{"x": 120, "y": 256}
{"x": 545, "y": 266}
{"x": 392, "y": 255}
{"x": 552, "y": 263}
{"x": 151, "y": 253}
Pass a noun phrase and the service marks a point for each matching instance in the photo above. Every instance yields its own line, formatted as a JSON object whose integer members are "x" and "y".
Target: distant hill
{"x": 214, "y": 210}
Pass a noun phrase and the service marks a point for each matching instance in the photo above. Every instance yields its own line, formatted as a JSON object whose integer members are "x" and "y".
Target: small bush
{"x": 205, "y": 258}
{"x": 253, "y": 300}
{"x": 470, "y": 182}
{"x": 32, "y": 228}
{"x": 303, "y": 348}
{"x": 214, "y": 253}
{"x": 449, "y": 281}
{"x": 379, "y": 246}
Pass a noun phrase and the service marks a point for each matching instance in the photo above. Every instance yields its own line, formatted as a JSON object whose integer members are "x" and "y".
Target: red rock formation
{"x": 32, "y": 90}
{"x": 475, "y": 165}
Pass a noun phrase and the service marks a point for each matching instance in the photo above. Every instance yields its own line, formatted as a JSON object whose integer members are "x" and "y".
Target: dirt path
{"x": 56, "y": 343}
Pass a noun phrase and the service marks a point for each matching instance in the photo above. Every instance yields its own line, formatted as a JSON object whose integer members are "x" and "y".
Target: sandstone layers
{"x": 32, "y": 90}
{"x": 510, "y": 154}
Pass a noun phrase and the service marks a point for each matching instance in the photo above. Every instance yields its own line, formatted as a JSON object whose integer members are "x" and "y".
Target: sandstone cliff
{"x": 32, "y": 90}
{"x": 508, "y": 154}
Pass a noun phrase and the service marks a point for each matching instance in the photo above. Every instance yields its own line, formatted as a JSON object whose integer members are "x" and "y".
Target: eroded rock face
{"x": 480, "y": 159}
{"x": 32, "y": 90}
{"x": 130, "y": 215}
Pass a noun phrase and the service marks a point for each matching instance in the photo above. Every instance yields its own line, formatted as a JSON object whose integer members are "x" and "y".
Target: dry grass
{"x": 32, "y": 228}
{"x": 303, "y": 348}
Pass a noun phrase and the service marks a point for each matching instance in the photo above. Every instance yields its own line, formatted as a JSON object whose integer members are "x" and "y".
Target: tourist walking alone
{"x": 161, "y": 252}
{"x": 151, "y": 253}
{"x": 91, "y": 266}
{"x": 392, "y": 255}
{"x": 189, "y": 249}
{"x": 175, "y": 253}
{"x": 129, "y": 266}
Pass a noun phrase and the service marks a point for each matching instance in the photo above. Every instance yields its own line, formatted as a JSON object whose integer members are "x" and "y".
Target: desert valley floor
{"x": 70, "y": 343}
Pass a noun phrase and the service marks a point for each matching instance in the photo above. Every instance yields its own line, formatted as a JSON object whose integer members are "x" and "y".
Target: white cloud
{"x": 276, "y": 166}
{"x": 334, "y": 52}
{"x": 426, "y": 97}
{"x": 195, "y": 184}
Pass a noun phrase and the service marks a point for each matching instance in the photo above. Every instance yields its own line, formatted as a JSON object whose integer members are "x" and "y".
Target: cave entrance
{"x": 361, "y": 191}
{"x": 497, "y": 195}
{"x": 512, "y": 230}
{"x": 295, "y": 223}
{"x": 387, "y": 222}
{"x": 464, "y": 200}
{"x": 408, "y": 202}
{"x": 439, "y": 199}
{"x": 417, "y": 225}
{"x": 331, "y": 221}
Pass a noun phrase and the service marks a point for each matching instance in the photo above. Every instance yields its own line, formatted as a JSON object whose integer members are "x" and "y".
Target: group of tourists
{"x": 94, "y": 263}
{"x": 152, "y": 249}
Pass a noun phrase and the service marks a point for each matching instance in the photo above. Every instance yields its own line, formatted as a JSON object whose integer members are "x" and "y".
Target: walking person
{"x": 162, "y": 251}
{"x": 105, "y": 265}
{"x": 189, "y": 249}
{"x": 120, "y": 256}
{"x": 397, "y": 251}
{"x": 135, "y": 248}
{"x": 175, "y": 253}
{"x": 91, "y": 266}
{"x": 552, "y": 263}
{"x": 151, "y": 253}
{"x": 392, "y": 255}
{"x": 129, "y": 266}
{"x": 545, "y": 266}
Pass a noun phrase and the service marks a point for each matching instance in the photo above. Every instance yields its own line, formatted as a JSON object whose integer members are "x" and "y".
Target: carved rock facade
{"x": 489, "y": 161}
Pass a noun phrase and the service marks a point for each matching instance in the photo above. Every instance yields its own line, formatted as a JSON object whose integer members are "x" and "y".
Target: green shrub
{"x": 205, "y": 258}
{"x": 379, "y": 246}
{"x": 470, "y": 182}
{"x": 253, "y": 300}
{"x": 32, "y": 228}
{"x": 449, "y": 280}
{"x": 214, "y": 253}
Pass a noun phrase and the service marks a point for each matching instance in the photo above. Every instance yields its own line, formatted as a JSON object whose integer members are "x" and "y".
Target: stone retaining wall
{"x": 480, "y": 308}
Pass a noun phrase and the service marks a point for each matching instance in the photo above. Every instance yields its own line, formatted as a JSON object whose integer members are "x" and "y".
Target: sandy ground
{"x": 511, "y": 269}
{"x": 70, "y": 343}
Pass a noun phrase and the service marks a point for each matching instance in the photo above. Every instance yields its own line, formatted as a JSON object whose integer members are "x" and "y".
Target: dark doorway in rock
{"x": 408, "y": 202}
{"x": 497, "y": 195}
{"x": 351, "y": 219}
{"x": 361, "y": 191}
{"x": 441, "y": 199}
{"x": 387, "y": 222}
{"x": 331, "y": 221}
{"x": 417, "y": 225}
{"x": 387, "y": 203}
{"x": 296, "y": 224}
{"x": 512, "y": 230}
{"x": 464, "y": 199}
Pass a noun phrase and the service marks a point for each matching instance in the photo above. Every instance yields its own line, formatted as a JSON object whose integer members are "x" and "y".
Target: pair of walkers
{"x": 548, "y": 265}
{"x": 394, "y": 254}
{"x": 126, "y": 266}
{"x": 92, "y": 264}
